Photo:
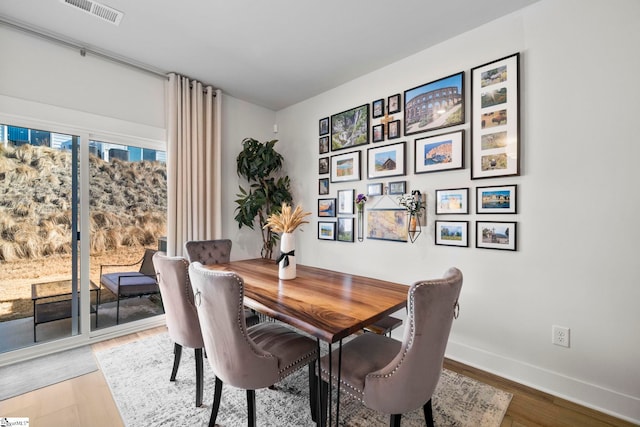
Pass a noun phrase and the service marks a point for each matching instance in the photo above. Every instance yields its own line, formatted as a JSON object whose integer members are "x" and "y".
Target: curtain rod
{"x": 82, "y": 49}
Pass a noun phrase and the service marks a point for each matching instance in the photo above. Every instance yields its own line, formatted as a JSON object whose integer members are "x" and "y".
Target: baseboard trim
{"x": 592, "y": 396}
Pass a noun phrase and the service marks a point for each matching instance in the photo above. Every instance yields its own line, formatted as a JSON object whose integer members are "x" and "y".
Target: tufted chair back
{"x": 208, "y": 251}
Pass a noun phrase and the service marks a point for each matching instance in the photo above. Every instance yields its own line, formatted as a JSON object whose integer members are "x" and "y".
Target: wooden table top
{"x": 326, "y": 304}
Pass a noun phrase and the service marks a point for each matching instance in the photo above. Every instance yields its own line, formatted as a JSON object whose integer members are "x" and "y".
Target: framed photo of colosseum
{"x": 439, "y": 152}
{"x": 495, "y": 118}
{"x": 434, "y": 105}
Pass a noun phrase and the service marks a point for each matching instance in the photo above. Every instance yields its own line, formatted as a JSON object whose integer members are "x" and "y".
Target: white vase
{"x": 287, "y": 244}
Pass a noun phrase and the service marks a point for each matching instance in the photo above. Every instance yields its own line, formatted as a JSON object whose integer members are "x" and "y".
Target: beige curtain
{"x": 193, "y": 162}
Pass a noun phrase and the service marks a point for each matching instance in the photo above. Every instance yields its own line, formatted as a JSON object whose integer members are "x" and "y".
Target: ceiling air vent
{"x": 96, "y": 9}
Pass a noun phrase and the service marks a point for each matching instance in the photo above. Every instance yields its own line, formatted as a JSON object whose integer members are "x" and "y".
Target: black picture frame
{"x": 326, "y": 230}
{"x": 439, "y": 153}
{"x": 323, "y": 165}
{"x": 393, "y": 129}
{"x": 346, "y": 231}
{"x": 323, "y": 126}
{"x": 452, "y": 201}
{"x": 356, "y": 121}
{"x": 374, "y": 189}
{"x": 345, "y": 167}
{"x": 422, "y": 114}
{"x": 323, "y": 186}
{"x": 452, "y": 233}
{"x": 377, "y": 132}
{"x": 501, "y": 235}
{"x": 327, "y": 208}
{"x": 377, "y": 108}
{"x": 397, "y": 187}
{"x": 394, "y": 103}
{"x": 495, "y": 118}
{"x": 346, "y": 202}
{"x": 386, "y": 161}
{"x": 497, "y": 199}
{"x": 323, "y": 145}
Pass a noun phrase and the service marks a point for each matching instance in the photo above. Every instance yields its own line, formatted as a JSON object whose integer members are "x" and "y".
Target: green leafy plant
{"x": 259, "y": 164}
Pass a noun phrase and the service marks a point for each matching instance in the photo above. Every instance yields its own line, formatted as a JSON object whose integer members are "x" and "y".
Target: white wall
{"x": 576, "y": 263}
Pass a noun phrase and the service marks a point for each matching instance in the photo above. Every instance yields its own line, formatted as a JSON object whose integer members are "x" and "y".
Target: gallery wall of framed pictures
{"x": 359, "y": 144}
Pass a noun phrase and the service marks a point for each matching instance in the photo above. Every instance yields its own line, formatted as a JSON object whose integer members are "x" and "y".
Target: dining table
{"x": 326, "y": 304}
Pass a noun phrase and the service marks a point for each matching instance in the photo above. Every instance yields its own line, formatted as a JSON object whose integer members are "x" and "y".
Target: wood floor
{"x": 87, "y": 401}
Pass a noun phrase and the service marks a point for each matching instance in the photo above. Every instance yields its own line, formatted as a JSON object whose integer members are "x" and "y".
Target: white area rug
{"x": 138, "y": 374}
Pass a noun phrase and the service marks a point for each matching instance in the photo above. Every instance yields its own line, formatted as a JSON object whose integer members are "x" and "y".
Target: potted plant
{"x": 258, "y": 163}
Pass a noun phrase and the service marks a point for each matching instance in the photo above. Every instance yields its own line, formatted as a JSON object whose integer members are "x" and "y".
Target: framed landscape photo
{"x": 378, "y": 133}
{"x": 377, "y": 108}
{"x": 326, "y": 230}
{"x": 393, "y": 130}
{"x": 495, "y": 118}
{"x": 393, "y": 104}
{"x": 323, "y": 145}
{"x": 434, "y": 105}
{"x": 323, "y": 165}
{"x": 452, "y": 233}
{"x": 350, "y": 128}
{"x": 374, "y": 189}
{"x": 346, "y": 201}
{"x": 345, "y": 167}
{"x": 398, "y": 187}
{"x": 345, "y": 230}
{"x": 439, "y": 153}
{"x": 386, "y": 161}
{"x": 323, "y": 186}
{"x": 323, "y": 126}
{"x": 387, "y": 224}
{"x": 496, "y": 235}
{"x": 453, "y": 201}
{"x": 500, "y": 199}
{"x": 327, "y": 207}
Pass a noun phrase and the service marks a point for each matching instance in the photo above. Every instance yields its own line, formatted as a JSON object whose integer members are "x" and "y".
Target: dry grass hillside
{"x": 127, "y": 213}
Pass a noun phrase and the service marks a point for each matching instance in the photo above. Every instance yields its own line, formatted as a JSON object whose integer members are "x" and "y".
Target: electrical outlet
{"x": 560, "y": 336}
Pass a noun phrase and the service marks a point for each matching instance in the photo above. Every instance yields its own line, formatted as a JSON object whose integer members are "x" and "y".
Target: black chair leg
{"x": 251, "y": 407}
{"x": 428, "y": 414}
{"x": 394, "y": 420}
{"x": 177, "y": 353}
{"x": 199, "y": 377}
{"x": 217, "y": 393}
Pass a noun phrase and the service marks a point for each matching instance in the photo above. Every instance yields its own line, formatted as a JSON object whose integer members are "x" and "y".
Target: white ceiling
{"x": 273, "y": 53}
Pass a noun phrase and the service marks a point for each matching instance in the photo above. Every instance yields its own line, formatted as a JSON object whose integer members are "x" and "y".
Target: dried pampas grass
{"x": 287, "y": 221}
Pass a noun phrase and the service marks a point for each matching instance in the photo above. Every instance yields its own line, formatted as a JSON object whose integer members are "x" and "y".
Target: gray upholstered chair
{"x": 395, "y": 377}
{"x": 129, "y": 284}
{"x": 248, "y": 358}
{"x": 215, "y": 252}
{"x": 181, "y": 314}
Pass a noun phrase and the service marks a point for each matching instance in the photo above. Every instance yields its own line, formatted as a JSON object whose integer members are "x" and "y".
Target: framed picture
{"x": 496, "y": 235}
{"x": 453, "y": 201}
{"x": 374, "y": 189}
{"x": 393, "y": 130}
{"x": 345, "y": 167}
{"x": 387, "y": 224}
{"x": 378, "y": 132}
{"x": 327, "y": 207}
{"x": 495, "y": 118}
{"x": 345, "y": 230}
{"x": 434, "y": 105}
{"x": 440, "y": 152}
{"x": 377, "y": 108}
{"x": 393, "y": 104}
{"x": 323, "y": 186}
{"x": 452, "y": 233}
{"x": 386, "y": 161}
{"x": 323, "y": 165}
{"x": 398, "y": 187}
{"x": 326, "y": 230}
{"x": 346, "y": 201}
{"x": 323, "y": 145}
{"x": 499, "y": 199}
{"x": 350, "y": 128}
{"x": 323, "y": 126}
